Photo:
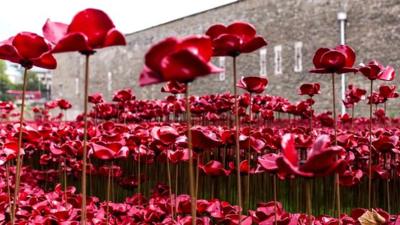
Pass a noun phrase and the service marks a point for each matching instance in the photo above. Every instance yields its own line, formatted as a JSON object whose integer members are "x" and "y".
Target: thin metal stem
{"x": 275, "y": 201}
{"x": 19, "y": 160}
{"x": 237, "y": 147}
{"x": 85, "y": 138}
{"x": 190, "y": 147}
{"x": 170, "y": 189}
{"x": 370, "y": 149}
{"x": 335, "y": 128}
{"x": 309, "y": 206}
{"x": 108, "y": 194}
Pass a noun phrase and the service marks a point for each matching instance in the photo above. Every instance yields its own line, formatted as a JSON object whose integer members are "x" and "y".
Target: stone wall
{"x": 373, "y": 30}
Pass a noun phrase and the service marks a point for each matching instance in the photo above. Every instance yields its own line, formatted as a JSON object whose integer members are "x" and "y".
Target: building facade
{"x": 294, "y": 29}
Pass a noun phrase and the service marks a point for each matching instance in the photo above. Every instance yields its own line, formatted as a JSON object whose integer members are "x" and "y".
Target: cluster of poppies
{"x": 60, "y": 206}
{"x": 182, "y": 159}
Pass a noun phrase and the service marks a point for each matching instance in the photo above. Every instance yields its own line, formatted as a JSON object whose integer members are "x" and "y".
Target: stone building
{"x": 294, "y": 30}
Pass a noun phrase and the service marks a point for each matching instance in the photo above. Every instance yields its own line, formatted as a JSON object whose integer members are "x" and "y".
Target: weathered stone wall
{"x": 373, "y": 31}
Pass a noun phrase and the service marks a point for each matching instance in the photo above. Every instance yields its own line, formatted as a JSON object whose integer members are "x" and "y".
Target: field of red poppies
{"x": 229, "y": 158}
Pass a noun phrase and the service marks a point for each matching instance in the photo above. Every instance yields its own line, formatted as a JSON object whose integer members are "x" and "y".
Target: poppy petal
{"x": 243, "y": 30}
{"x": 253, "y": 44}
{"x": 318, "y": 56}
{"x": 333, "y": 60}
{"x": 114, "y": 37}
{"x": 184, "y": 66}
{"x": 148, "y": 77}
{"x": 72, "y": 42}
{"x": 388, "y": 74}
{"x": 30, "y": 45}
{"x": 94, "y": 24}
{"x": 46, "y": 61}
{"x": 158, "y": 52}
{"x": 54, "y": 31}
{"x": 199, "y": 45}
{"x": 349, "y": 54}
{"x": 214, "y": 31}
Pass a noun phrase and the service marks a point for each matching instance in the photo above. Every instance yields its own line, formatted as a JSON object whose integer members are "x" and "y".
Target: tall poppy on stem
{"x": 27, "y": 49}
{"x": 330, "y": 61}
{"x": 180, "y": 60}
{"x": 353, "y": 96}
{"x": 233, "y": 40}
{"x": 252, "y": 85}
{"x": 374, "y": 71}
{"x": 89, "y": 30}
{"x": 310, "y": 89}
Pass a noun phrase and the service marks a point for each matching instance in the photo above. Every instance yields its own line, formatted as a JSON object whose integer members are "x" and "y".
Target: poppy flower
{"x": 123, "y": 95}
{"x": 109, "y": 151}
{"x": 309, "y": 89}
{"x": 334, "y": 60}
{"x": 268, "y": 162}
{"x": 64, "y": 104}
{"x": 253, "y": 84}
{"x": 350, "y": 177}
{"x": 28, "y": 49}
{"x": 174, "y": 87}
{"x": 353, "y": 95}
{"x": 216, "y": 168}
{"x": 165, "y": 134}
{"x": 387, "y": 92}
{"x": 321, "y": 160}
{"x": 10, "y": 150}
{"x": 232, "y": 40}
{"x": 204, "y": 138}
{"x": 89, "y": 29}
{"x": 375, "y": 98}
{"x": 180, "y": 60}
{"x": 96, "y": 98}
{"x": 376, "y": 71}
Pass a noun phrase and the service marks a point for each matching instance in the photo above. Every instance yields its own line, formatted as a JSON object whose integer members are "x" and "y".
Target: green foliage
{"x": 33, "y": 82}
{"x": 5, "y": 83}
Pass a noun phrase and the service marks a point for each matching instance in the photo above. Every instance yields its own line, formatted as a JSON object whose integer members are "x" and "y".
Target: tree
{"x": 33, "y": 82}
{"x": 5, "y": 83}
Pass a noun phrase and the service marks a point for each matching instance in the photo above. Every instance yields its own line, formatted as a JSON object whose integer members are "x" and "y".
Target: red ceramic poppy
{"x": 309, "y": 89}
{"x": 321, "y": 160}
{"x": 334, "y": 60}
{"x": 28, "y": 49}
{"x": 180, "y": 60}
{"x": 350, "y": 177}
{"x": 386, "y": 91}
{"x": 96, "y": 98}
{"x": 216, "y": 168}
{"x": 253, "y": 84}
{"x": 376, "y": 71}
{"x": 237, "y": 38}
{"x": 375, "y": 98}
{"x": 204, "y": 138}
{"x": 174, "y": 87}
{"x": 89, "y": 29}
{"x": 165, "y": 134}
{"x": 109, "y": 151}
{"x": 123, "y": 95}
{"x": 64, "y": 104}
{"x": 268, "y": 162}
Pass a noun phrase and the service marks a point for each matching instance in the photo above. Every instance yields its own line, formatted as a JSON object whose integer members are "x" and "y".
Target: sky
{"x": 128, "y": 15}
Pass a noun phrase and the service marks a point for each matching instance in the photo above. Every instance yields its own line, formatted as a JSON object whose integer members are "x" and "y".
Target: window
{"x": 298, "y": 65}
{"x": 222, "y": 66}
{"x": 109, "y": 81}
{"x": 278, "y": 59}
{"x": 76, "y": 85}
{"x": 263, "y": 62}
